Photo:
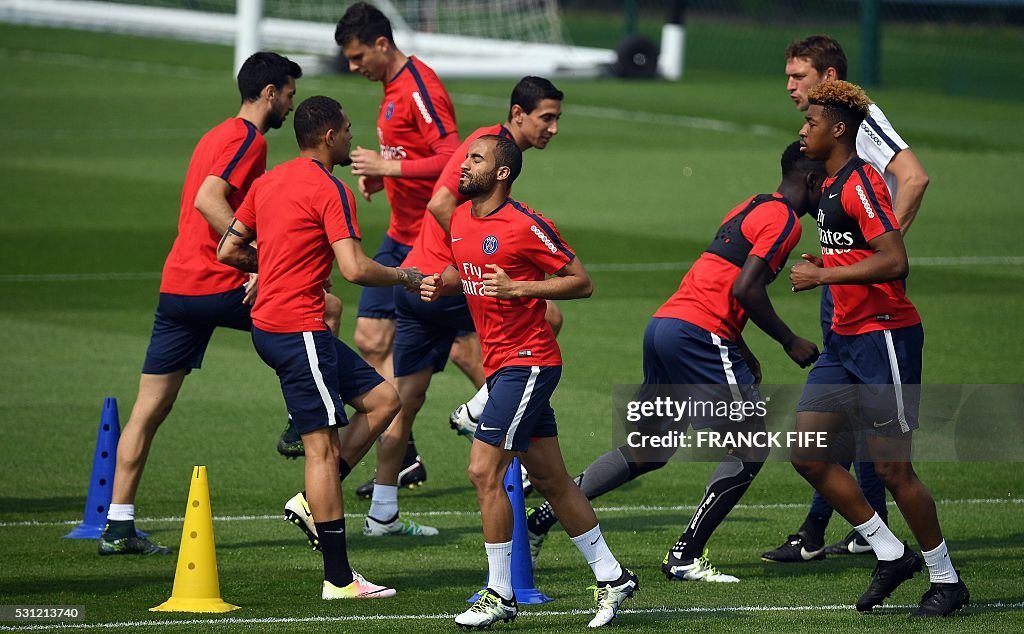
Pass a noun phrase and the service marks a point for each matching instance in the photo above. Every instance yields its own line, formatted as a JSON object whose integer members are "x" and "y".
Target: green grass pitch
{"x": 96, "y": 137}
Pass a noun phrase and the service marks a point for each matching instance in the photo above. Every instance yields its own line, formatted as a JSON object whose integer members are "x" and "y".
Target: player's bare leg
{"x": 323, "y": 489}
{"x": 332, "y": 313}
{"x": 469, "y": 358}
{"x": 912, "y": 497}
{"x": 375, "y": 410}
{"x": 374, "y": 338}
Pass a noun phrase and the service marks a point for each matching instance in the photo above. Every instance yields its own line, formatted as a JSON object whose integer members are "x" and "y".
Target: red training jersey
{"x": 298, "y": 210}
{"x": 236, "y": 152}
{"x": 432, "y": 251}
{"x": 769, "y": 229}
{"x": 854, "y": 209}
{"x": 513, "y": 332}
{"x": 415, "y": 113}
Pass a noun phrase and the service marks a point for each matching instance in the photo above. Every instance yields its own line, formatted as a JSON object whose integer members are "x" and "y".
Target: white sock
{"x": 476, "y": 404}
{"x": 121, "y": 512}
{"x": 499, "y": 568}
{"x": 940, "y": 568}
{"x": 887, "y": 546}
{"x": 384, "y": 504}
{"x": 601, "y": 560}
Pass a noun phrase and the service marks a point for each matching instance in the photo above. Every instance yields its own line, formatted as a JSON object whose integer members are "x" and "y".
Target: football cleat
{"x": 888, "y": 575}
{"x": 462, "y": 421}
{"x": 794, "y": 551}
{"x": 296, "y": 511}
{"x": 131, "y": 545}
{"x": 290, "y": 444}
{"x": 360, "y": 588}
{"x": 400, "y": 526}
{"x": 609, "y": 595}
{"x": 942, "y": 599}
{"x": 412, "y": 475}
{"x": 488, "y": 610}
{"x": 699, "y": 569}
{"x": 852, "y": 544}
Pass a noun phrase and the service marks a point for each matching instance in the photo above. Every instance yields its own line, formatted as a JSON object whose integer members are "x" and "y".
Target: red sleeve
{"x": 866, "y": 200}
{"x": 244, "y": 154}
{"x": 246, "y": 212}
{"x": 774, "y": 232}
{"x": 432, "y": 166}
{"x": 543, "y": 246}
{"x": 434, "y": 114}
{"x": 337, "y": 205}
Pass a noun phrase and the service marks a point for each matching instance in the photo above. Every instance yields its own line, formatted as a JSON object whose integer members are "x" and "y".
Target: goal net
{"x": 458, "y": 38}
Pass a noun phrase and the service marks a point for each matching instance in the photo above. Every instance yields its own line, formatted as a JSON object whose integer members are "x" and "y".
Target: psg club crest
{"x": 490, "y": 245}
{"x": 390, "y": 111}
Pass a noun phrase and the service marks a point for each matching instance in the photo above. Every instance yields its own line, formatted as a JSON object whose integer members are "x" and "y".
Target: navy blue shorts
{"x": 693, "y": 363}
{"x": 519, "y": 407}
{"x": 425, "y": 331}
{"x": 184, "y": 324}
{"x": 378, "y": 302}
{"x": 318, "y": 374}
{"x": 873, "y": 378}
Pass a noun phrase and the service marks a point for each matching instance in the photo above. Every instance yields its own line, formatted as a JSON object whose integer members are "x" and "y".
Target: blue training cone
{"x": 522, "y": 569}
{"x": 101, "y": 482}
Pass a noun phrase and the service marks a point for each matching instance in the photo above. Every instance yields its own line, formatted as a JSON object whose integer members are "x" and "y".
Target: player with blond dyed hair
{"x": 868, "y": 375}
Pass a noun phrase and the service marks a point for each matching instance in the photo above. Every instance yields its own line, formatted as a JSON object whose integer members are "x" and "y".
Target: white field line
{"x": 598, "y": 509}
{"x": 993, "y": 260}
{"x": 214, "y": 621}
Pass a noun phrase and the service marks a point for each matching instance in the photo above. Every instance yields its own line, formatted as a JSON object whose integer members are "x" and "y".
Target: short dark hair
{"x": 263, "y": 69}
{"x": 313, "y": 117}
{"x": 363, "y": 22}
{"x": 842, "y": 101}
{"x": 794, "y": 161}
{"x": 506, "y": 154}
{"x": 823, "y": 51}
{"x": 530, "y": 91}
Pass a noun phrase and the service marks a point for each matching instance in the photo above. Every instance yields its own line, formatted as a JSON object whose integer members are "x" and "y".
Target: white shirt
{"x": 878, "y": 144}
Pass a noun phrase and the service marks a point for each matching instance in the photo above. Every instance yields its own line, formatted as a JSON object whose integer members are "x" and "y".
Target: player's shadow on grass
{"x": 32, "y": 507}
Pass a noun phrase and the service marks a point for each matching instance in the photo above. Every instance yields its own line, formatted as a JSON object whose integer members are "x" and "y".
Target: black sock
{"x": 332, "y": 543}
{"x": 728, "y": 483}
{"x": 119, "y": 529}
{"x": 343, "y": 469}
{"x": 813, "y": 530}
{"x": 410, "y": 452}
{"x": 541, "y": 520}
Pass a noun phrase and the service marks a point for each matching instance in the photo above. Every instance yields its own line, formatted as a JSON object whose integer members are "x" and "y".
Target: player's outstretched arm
{"x": 911, "y": 181}
{"x": 751, "y": 290}
{"x": 235, "y": 248}
{"x": 359, "y": 269}
{"x": 887, "y": 263}
{"x": 571, "y": 282}
{"x": 442, "y": 205}
{"x": 212, "y": 202}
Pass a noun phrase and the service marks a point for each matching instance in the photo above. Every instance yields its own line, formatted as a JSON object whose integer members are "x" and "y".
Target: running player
{"x": 694, "y": 339}
{"x": 197, "y": 293}
{"x": 875, "y": 344}
{"x": 502, "y": 253}
{"x": 809, "y": 62}
{"x": 303, "y": 218}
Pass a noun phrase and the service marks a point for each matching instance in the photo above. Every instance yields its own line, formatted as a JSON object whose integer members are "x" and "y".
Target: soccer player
{"x": 809, "y": 62}
{"x": 695, "y": 339}
{"x": 875, "y": 344}
{"x": 302, "y": 219}
{"x": 198, "y": 293}
{"x": 502, "y": 252}
{"x": 426, "y": 331}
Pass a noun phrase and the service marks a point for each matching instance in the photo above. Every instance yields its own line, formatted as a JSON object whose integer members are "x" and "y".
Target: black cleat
{"x": 795, "y": 550}
{"x": 131, "y": 545}
{"x": 289, "y": 444}
{"x": 942, "y": 599}
{"x": 852, "y": 544}
{"x": 888, "y": 576}
{"x": 412, "y": 475}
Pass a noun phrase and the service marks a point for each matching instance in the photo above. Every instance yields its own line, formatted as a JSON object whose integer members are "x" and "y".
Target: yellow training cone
{"x": 196, "y": 584}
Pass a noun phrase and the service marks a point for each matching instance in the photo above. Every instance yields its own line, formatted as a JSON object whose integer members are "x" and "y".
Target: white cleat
{"x": 296, "y": 511}
{"x": 699, "y": 569}
{"x": 609, "y": 595}
{"x": 488, "y": 610}
{"x": 360, "y": 588}
{"x": 400, "y": 526}
{"x": 462, "y": 422}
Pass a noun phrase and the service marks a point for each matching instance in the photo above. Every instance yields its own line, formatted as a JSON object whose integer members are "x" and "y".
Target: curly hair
{"x": 842, "y": 101}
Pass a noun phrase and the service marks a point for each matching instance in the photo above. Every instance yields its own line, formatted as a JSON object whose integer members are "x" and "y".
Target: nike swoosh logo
{"x": 831, "y": 196}
{"x": 456, "y": 239}
{"x": 596, "y": 539}
{"x": 334, "y": 532}
{"x": 485, "y": 428}
{"x": 882, "y": 424}
{"x": 872, "y": 533}
{"x": 809, "y": 554}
